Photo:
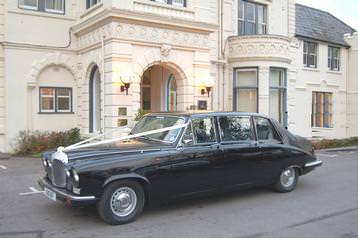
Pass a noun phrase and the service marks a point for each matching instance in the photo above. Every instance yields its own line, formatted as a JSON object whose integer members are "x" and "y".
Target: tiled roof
{"x": 320, "y": 25}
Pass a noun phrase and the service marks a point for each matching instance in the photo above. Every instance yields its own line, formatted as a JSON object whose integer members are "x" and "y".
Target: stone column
{"x": 264, "y": 89}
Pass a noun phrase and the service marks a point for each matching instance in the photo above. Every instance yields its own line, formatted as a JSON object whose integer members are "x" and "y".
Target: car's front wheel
{"x": 122, "y": 202}
{"x": 287, "y": 180}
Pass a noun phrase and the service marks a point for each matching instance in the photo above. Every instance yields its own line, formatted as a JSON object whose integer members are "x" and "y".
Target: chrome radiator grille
{"x": 58, "y": 173}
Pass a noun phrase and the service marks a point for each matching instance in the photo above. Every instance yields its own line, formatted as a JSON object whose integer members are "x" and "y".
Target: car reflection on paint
{"x": 207, "y": 153}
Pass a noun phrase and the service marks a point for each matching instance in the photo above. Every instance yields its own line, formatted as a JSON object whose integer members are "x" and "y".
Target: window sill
{"x": 318, "y": 129}
{"x": 310, "y": 69}
{"x": 91, "y": 9}
{"x": 50, "y": 113}
{"x": 30, "y": 12}
{"x": 334, "y": 72}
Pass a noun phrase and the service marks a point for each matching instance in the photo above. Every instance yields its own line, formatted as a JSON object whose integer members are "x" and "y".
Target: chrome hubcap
{"x": 288, "y": 177}
{"x": 123, "y": 201}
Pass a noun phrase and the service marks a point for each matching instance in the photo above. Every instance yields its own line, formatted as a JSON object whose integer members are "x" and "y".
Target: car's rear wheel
{"x": 287, "y": 180}
{"x": 122, "y": 202}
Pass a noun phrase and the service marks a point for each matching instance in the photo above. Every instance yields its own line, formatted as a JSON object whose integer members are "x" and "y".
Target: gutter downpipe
{"x": 103, "y": 85}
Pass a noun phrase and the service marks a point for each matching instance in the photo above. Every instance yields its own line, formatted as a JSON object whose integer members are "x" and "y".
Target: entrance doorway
{"x": 159, "y": 90}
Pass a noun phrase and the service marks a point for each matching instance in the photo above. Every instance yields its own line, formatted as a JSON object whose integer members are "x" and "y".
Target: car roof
{"x": 205, "y": 113}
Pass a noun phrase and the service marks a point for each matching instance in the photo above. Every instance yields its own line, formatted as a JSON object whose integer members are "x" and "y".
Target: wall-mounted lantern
{"x": 126, "y": 79}
{"x": 208, "y": 84}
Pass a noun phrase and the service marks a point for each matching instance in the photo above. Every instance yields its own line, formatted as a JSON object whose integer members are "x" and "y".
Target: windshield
{"x": 149, "y": 123}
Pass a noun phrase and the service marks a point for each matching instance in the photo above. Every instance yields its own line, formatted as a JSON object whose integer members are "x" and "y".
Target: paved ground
{"x": 325, "y": 204}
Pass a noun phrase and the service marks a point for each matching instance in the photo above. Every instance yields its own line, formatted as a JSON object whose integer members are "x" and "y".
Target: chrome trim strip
{"x": 314, "y": 164}
{"x": 67, "y": 195}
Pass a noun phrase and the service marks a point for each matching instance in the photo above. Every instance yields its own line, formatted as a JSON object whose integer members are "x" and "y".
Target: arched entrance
{"x": 94, "y": 100}
{"x": 159, "y": 89}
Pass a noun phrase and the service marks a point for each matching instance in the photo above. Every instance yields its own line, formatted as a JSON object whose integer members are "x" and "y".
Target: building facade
{"x": 93, "y": 64}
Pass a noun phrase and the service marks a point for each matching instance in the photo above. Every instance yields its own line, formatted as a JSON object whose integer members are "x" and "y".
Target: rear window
{"x": 235, "y": 129}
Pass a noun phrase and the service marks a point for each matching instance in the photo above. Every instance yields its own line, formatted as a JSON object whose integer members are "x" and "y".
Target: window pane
{"x": 146, "y": 98}
{"x": 250, "y": 28}
{"x": 204, "y": 130}
{"x": 179, "y": 3}
{"x": 47, "y": 104}
{"x": 47, "y": 91}
{"x": 64, "y": 92}
{"x": 249, "y": 11}
{"x": 246, "y": 100}
{"x": 277, "y": 78}
{"x": 28, "y": 3}
{"x": 236, "y": 128}
{"x": 63, "y": 104}
{"x": 241, "y": 9}
{"x": 276, "y": 104}
{"x": 246, "y": 78}
{"x": 188, "y": 137}
{"x": 312, "y": 48}
{"x": 265, "y": 130}
{"x": 55, "y": 5}
{"x": 241, "y": 27}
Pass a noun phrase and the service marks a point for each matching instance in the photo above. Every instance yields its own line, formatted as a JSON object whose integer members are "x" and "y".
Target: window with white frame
{"x": 90, "y": 3}
{"x": 252, "y": 18}
{"x": 178, "y": 3}
{"x": 322, "y": 112}
{"x": 54, "y": 100}
{"x": 310, "y": 54}
{"x": 334, "y": 58}
{"x": 246, "y": 90}
{"x": 50, "y": 6}
{"x": 29, "y": 4}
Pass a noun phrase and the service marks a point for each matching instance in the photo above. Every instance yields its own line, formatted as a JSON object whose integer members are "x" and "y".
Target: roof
{"x": 319, "y": 25}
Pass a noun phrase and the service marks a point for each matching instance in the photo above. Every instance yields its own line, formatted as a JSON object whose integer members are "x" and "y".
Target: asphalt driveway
{"x": 324, "y": 204}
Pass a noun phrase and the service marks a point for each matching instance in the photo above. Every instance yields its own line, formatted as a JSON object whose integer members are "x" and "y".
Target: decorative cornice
{"x": 141, "y": 18}
{"x": 260, "y": 48}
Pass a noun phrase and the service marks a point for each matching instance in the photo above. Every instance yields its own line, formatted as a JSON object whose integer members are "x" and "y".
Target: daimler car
{"x": 206, "y": 153}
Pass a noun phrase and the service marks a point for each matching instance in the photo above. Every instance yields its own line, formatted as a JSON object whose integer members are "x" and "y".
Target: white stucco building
{"x": 93, "y": 64}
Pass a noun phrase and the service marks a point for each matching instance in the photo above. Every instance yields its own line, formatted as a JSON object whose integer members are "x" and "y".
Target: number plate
{"x": 50, "y": 194}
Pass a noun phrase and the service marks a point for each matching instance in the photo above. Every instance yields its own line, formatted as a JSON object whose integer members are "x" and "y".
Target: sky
{"x": 345, "y": 10}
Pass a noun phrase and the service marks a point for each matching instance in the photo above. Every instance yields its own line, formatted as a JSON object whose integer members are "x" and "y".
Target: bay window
{"x": 252, "y": 18}
{"x": 246, "y": 90}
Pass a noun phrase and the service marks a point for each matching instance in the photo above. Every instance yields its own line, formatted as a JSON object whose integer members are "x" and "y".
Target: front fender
{"x": 126, "y": 176}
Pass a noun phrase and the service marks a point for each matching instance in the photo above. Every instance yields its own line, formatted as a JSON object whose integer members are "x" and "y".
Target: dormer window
{"x": 90, "y": 3}
{"x": 252, "y": 18}
{"x": 177, "y": 3}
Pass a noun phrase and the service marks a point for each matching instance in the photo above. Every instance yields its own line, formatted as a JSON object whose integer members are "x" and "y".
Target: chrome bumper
{"x": 65, "y": 196}
{"x": 313, "y": 164}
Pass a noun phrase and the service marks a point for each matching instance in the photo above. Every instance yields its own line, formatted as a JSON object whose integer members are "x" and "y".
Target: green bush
{"x": 334, "y": 143}
{"x": 140, "y": 114}
{"x": 35, "y": 142}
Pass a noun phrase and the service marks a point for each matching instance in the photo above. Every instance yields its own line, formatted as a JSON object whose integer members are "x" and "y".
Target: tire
{"x": 287, "y": 180}
{"x": 121, "y": 202}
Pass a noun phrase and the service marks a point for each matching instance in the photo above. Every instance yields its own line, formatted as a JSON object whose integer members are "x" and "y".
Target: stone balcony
{"x": 259, "y": 48}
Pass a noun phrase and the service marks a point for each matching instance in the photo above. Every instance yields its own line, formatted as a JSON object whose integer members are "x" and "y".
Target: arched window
{"x": 171, "y": 92}
{"x": 94, "y": 101}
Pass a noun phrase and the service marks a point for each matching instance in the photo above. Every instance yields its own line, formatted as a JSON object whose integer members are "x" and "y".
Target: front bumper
{"x": 65, "y": 196}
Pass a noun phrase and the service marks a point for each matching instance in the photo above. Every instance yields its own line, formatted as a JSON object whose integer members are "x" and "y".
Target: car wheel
{"x": 287, "y": 180}
{"x": 122, "y": 202}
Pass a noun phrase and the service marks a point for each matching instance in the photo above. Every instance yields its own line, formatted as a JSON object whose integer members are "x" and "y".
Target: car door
{"x": 240, "y": 157}
{"x": 273, "y": 154}
{"x": 192, "y": 164}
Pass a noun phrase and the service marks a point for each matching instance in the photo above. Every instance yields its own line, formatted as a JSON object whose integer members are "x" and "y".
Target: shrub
{"x": 140, "y": 114}
{"x": 35, "y": 142}
{"x": 334, "y": 143}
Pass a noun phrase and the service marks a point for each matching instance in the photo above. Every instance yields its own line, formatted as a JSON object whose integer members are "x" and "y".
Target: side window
{"x": 188, "y": 137}
{"x": 236, "y": 129}
{"x": 204, "y": 130}
{"x": 265, "y": 130}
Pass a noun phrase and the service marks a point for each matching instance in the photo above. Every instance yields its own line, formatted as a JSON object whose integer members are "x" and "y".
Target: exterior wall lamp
{"x": 208, "y": 83}
{"x": 126, "y": 80}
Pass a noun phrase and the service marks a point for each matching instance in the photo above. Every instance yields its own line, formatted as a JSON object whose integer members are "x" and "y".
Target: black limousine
{"x": 170, "y": 156}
